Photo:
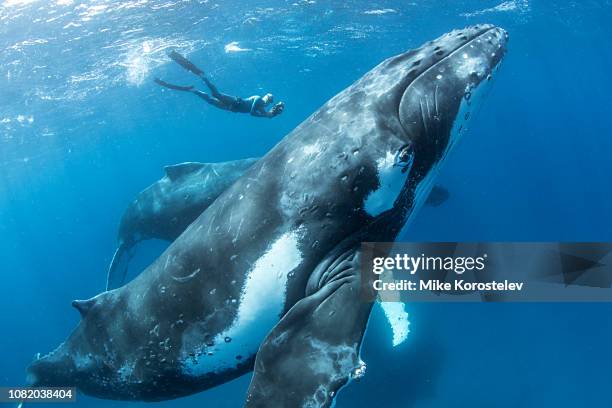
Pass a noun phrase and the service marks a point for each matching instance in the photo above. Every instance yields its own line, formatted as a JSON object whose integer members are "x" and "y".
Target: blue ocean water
{"x": 83, "y": 128}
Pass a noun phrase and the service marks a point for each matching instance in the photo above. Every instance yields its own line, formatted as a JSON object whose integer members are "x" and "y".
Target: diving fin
{"x": 172, "y": 86}
{"x": 185, "y": 63}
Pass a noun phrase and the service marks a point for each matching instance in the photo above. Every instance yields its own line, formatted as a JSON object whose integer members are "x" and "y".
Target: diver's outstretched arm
{"x": 276, "y": 110}
{"x": 263, "y": 114}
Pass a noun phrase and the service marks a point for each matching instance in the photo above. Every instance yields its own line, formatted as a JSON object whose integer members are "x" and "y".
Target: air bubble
{"x": 359, "y": 371}
{"x": 228, "y": 339}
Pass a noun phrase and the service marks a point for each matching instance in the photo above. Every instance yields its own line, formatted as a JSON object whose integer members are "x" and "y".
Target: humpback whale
{"x": 165, "y": 208}
{"x": 267, "y": 278}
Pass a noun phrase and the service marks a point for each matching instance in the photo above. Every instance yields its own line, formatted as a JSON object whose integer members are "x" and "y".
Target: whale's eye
{"x": 405, "y": 157}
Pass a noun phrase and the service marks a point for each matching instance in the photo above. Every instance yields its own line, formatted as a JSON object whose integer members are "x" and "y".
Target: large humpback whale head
{"x": 363, "y": 162}
{"x": 426, "y": 98}
{"x": 374, "y": 149}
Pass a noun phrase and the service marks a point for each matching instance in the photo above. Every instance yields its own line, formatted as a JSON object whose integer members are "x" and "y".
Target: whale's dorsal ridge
{"x": 175, "y": 171}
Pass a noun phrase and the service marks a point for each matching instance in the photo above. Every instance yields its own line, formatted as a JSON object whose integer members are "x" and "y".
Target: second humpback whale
{"x": 165, "y": 209}
{"x": 268, "y": 277}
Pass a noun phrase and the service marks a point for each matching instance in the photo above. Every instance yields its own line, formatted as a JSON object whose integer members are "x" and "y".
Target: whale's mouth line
{"x": 434, "y": 65}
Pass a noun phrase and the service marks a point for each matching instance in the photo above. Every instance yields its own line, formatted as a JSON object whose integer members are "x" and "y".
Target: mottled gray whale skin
{"x": 269, "y": 273}
{"x": 166, "y": 208}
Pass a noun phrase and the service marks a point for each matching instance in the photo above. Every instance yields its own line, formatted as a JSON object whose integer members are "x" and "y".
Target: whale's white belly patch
{"x": 261, "y": 304}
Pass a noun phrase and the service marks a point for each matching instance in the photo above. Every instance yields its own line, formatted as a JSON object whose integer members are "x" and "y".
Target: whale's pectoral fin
{"x": 438, "y": 196}
{"x": 117, "y": 271}
{"x": 314, "y": 350}
{"x": 175, "y": 171}
{"x": 397, "y": 317}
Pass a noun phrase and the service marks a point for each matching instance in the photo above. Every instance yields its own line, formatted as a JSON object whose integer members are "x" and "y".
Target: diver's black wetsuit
{"x": 255, "y": 105}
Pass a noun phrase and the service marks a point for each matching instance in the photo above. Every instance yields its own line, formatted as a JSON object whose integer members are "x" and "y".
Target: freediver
{"x": 255, "y": 105}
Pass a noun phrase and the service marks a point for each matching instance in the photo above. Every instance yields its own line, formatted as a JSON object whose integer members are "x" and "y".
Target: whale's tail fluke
{"x": 117, "y": 271}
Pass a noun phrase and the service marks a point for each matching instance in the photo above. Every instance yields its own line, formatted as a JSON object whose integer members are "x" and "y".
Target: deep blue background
{"x": 83, "y": 128}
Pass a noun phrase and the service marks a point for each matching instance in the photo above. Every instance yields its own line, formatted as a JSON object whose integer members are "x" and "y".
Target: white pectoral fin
{"x": 314, "y": 350}
{"x": 397, "y": 317}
